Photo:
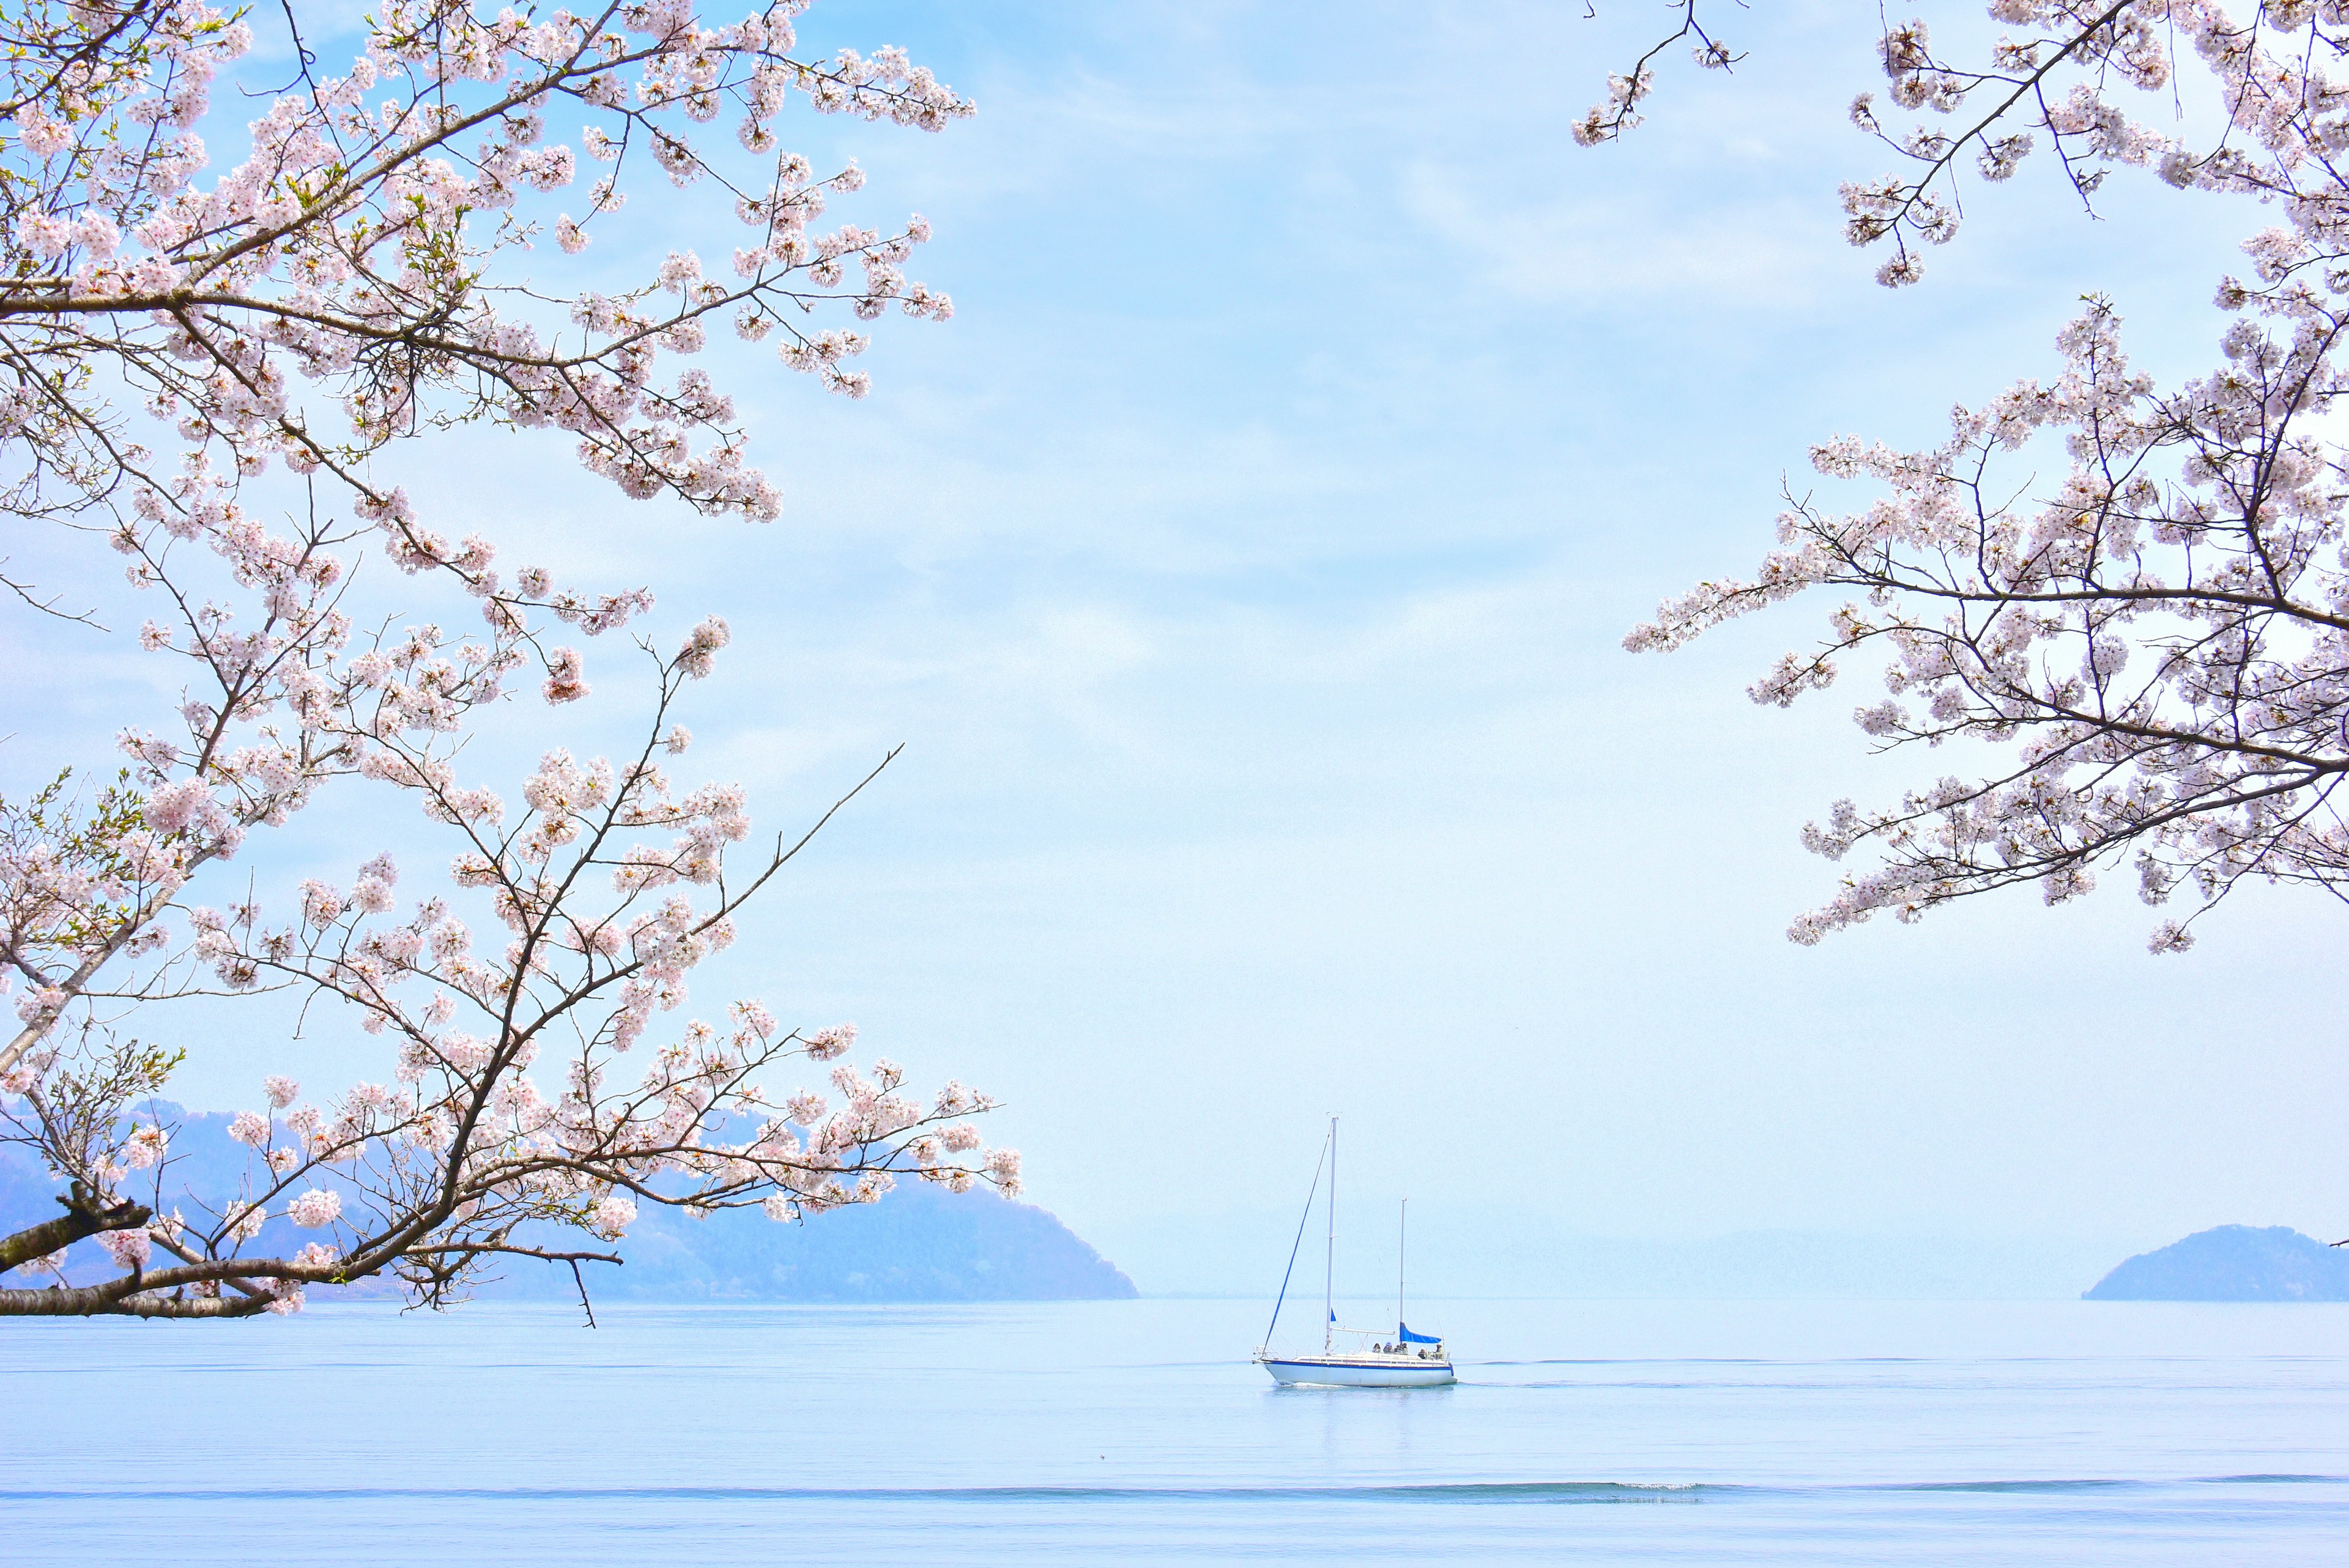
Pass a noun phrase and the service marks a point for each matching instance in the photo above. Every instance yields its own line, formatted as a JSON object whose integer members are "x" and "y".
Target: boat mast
{"x": 1403, "y": 1230}
{"x": 1304, "y": 1218}
{"x": 1329, "y": 1257}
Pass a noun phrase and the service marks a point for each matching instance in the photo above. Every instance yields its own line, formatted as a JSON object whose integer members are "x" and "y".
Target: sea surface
{"x": 1136, "y": 1432}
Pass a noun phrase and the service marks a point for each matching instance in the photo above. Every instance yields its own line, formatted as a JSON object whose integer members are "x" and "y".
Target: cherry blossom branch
{"x": 447, "y": 1167}
{"x": 334, "y": 292}
{"x": 2196, "y": 539}
{"x": 1607, "y": 121}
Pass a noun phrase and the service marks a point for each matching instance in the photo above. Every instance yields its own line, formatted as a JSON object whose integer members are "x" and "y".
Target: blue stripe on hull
{"x": 1361, "y": 1374}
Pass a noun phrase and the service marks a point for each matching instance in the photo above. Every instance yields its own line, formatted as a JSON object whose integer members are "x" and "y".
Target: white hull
{"x": 1357, "y": 1371}
{"x": 1372, "y": 1361}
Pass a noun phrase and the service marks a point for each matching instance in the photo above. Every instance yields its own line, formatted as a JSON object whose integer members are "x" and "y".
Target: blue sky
{"x": 1244, "y": 569}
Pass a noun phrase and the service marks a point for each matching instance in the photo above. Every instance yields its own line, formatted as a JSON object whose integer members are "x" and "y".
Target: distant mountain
{"x": 920, "y": 1243}
{"x": 2232, "y": 1264}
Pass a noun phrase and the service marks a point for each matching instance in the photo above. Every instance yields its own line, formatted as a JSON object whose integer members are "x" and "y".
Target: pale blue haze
{"x": 1244, "y": 569}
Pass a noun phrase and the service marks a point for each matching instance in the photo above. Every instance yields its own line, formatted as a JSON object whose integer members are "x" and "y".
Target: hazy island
{"x": 2232, "y": 1263}
{"x": 920, "y": 1243}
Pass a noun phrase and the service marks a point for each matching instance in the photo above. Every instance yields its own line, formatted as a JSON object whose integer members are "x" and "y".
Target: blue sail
{"x": 1410, "y": 1338}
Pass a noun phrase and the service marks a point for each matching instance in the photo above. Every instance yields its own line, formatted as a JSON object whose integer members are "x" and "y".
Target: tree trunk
{"x": 94, "y": 1300}
{"x": 82, "y": 1217}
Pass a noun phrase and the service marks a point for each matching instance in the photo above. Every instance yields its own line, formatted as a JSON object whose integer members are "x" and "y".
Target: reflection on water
{"x": 1712, "y": 1432}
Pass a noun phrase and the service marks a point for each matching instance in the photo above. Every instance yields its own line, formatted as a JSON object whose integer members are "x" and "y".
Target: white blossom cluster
{"x": 2157, "y": 641}
{"x": 340, "y": 288}
{"x": 355, "y": 246}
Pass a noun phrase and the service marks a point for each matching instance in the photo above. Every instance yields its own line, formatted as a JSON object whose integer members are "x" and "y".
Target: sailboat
{"x": 1352, "y": 1358}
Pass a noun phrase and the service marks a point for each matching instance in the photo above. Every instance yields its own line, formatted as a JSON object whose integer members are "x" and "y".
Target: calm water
{"x": 1604, "y": 1431}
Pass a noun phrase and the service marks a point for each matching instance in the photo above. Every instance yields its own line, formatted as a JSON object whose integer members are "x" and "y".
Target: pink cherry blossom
{"x": 315, "y": 1208}
{"x": 2148, "y": 637}
{"x": 128, "y": 1249}
{"x": 228, "y": 314}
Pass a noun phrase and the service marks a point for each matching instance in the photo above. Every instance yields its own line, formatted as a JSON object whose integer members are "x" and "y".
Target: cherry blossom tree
{"x": 171, "y": 333}
{"x": 2155, "y": 645}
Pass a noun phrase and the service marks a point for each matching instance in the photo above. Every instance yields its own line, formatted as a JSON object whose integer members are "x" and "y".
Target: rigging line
{"x": 1310, "y": 1194}
{"x": 1402, "y": 1234}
